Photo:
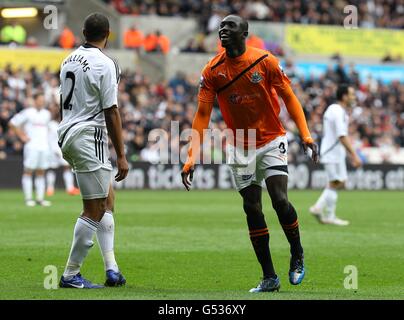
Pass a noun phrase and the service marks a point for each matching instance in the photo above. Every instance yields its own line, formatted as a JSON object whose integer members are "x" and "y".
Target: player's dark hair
{"x": 342, "y": 90}
{"x": 36, "y": 95}
{"x": 96, "y": 27}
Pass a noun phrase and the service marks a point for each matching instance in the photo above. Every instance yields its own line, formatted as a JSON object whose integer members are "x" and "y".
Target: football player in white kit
{"x": 56, "y": 160}
{"x": 335, "y": 145}
{"x": 31, "y": 125}
{"x": 89, "y": 99}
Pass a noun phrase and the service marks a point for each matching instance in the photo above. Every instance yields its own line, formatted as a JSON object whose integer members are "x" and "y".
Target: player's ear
{"x": 84, "y": 33}
{"x": 245, "y": 34}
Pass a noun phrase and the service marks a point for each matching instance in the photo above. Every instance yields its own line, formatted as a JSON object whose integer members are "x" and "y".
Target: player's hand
{"x": 314, "y": 150}
{"x": 24, "y": 139}
{"x": 123, "y": 169}
{"x": 187, "y": 177}
{"x": 356, "y": 161}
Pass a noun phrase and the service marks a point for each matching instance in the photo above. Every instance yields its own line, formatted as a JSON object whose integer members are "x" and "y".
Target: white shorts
{"x": 36, "y": 159}
{"x": 56, "y": 160}
{"x": 336, "y": 171}
{"x": 266, "y": 161}
{"x": 87, "y": 150}
{"x": 94, "y": 184}
{"x": 87, "y": 153}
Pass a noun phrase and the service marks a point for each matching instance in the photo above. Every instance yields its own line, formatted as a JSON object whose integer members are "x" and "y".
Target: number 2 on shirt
{"x": 67, "y": 105}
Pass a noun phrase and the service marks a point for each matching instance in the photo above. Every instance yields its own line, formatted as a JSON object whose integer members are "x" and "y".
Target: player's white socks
{"x": 82, "y": 242}
{"x": 68, "y": 179}
{"x": 40, "y": 187}
{"x": 105, "y": 237}
{"x": 331, "y": 203}
{"x": 27, "y": 186}
{"x": 50, "y": 179}
{"x": 322, "y": 201}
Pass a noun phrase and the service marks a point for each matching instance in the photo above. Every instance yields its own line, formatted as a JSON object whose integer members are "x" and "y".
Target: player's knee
{"x": 252, "y": 208}
{"x": 337, "y": 184}
{"x": 110, "y": 201}
{"x": 40, "y": 173}
{"x": 281, "y": 205}
{"x": 102, "y": 207}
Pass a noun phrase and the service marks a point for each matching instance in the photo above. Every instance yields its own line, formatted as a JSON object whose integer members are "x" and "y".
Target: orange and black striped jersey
{"x": 247, "y": 89}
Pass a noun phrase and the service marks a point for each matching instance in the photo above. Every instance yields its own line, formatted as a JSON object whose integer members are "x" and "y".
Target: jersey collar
{"x": 88, "y": 46}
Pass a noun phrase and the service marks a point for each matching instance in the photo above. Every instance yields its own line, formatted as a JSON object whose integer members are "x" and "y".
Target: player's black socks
{"x": 288, "y": 219}
{"x": 259, "y": 237}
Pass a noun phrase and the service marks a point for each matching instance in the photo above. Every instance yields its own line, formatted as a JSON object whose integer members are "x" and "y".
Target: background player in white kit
{"x": 335, "y": 145}
{"x": 56, "y": 160}
{"x": 32, "y": 127}
{"x": 89, "y": 100}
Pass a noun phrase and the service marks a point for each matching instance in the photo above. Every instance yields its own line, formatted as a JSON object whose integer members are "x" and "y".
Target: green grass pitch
{"x": 195, "y": 245}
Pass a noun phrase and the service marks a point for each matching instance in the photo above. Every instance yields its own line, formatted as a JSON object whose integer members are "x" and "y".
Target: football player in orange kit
{"x": 247, "y": 82}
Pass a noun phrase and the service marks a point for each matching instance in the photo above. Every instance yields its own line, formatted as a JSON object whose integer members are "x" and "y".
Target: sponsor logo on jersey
{"x": 234, "y": 98}
{"x": 256, "y": 77}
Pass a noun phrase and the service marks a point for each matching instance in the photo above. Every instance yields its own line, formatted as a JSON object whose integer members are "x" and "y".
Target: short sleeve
{"x": 207, "y": 92}
{"x": 19, "y": 119}
{"x": 277, "y": 77}
{"x": 341, "y": 125}
{"x": 109, "y": 80}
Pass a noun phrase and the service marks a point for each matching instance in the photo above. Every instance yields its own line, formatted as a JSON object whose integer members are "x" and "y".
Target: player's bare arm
{"x": 20, "y": 133}
{"x": 201, "y": 122}
{"x": 114, "y": 127}
{"x": 296, "y": 112}
{"x": 355, "y": 160}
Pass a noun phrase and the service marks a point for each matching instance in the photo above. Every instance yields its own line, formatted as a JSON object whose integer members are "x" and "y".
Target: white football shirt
{"x": 53, "y": 136}
{"x": 88, "y": 85}
{"x": 335, "y": 125}
{"x": 35, "y": 124}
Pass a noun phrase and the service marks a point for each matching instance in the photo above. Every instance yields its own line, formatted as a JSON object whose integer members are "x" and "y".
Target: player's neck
{"x": 343, "y": 105}
{"x": 100, "y": 44}
{"x": 235, "y": 51}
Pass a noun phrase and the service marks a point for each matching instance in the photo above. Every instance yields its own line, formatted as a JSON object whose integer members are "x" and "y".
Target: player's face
{"x": 40, "y": 102}
{"x": 351, "y": 97}
{"x": 231, "y": 31}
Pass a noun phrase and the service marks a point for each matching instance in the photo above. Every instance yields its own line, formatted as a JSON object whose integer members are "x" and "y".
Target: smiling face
{"x": 233, "y": 31}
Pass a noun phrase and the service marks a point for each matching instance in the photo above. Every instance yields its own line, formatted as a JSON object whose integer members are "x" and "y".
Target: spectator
{"x": 13, "y": 33}
{"x": 67, "y": 40}
{"x": 163, "y": 43}
{"x": 214, "y": 20}
{"x": 378, "y": 119}
{"x": 133, "y": 38}
{"x": 32, "y": 42}
{"x": 150, "y": 42}
{"x": 257, "y": 10}
{"x": 371, "y": 13}
{"x": 195, "y": 45}
{"x": 255, "y": 41}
